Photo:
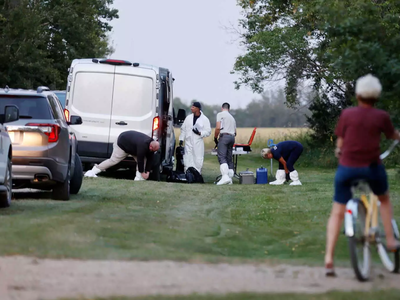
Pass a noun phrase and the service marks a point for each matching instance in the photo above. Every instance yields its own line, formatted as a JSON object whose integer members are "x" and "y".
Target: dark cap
{"x": 197, "y": 104}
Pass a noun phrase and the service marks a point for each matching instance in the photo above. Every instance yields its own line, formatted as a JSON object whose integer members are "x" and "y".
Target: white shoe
{"x": 231, "y": 173}
{"x": 138, "y": 176}
{"x": 90, "y": 174}
{"x": 93, "y": 172}
{"x": 294, "y": 176}
{"x": 280, "y": 178}
{"x": 225, "y": 179}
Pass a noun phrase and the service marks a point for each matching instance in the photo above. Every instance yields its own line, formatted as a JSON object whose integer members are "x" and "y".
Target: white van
{"x": 113, "y": 96}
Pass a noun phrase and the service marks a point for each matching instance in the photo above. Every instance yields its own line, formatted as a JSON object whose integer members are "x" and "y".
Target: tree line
{"x": 326, "y": 44}
{"x": 269, "y": 111}
{"x": 40, "y": 38}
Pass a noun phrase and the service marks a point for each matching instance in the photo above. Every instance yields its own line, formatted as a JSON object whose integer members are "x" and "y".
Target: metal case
{"x": 246, "y": 177}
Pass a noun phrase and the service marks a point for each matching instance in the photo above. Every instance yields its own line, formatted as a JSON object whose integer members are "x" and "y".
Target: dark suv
{"x": 44, "y": 148}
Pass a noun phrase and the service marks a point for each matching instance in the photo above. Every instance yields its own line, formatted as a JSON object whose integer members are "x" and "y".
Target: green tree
{"x": 327, "y": 43}
{"x": 39, "y": 38}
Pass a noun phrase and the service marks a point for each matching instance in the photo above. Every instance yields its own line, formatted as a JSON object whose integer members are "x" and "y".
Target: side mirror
{"x": 11, "y": 113}
{"x": 181, "y": 116}
{"x": 75, "y": 120}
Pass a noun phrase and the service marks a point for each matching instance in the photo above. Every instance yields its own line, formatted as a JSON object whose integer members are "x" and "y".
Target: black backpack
{"x": 176, "y": 176}
{"x": 193, "y": 176}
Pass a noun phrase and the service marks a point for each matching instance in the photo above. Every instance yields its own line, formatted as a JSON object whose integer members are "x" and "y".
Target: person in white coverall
{"x": 195, "y": 127}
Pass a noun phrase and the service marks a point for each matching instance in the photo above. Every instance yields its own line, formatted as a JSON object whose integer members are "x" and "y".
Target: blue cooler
{"x": 262, "y": 175}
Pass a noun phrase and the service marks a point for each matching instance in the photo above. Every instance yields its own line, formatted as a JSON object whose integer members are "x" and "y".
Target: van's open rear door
{"x": 170, "y": 138}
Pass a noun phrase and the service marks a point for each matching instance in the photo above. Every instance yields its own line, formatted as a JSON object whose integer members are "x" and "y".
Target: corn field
{"x": 261, "y": 138}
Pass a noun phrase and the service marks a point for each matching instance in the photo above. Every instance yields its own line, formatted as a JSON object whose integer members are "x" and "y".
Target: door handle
{"x": 121, "y": 123}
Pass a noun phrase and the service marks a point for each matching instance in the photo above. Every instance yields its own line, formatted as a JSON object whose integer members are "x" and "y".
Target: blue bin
{"x": 262, "y": 175}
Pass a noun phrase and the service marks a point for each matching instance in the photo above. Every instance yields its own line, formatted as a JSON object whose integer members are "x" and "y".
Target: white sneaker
{"x": 90, "y": 173}
{"x": 93, "y": 172}
{"x": 138, "y": 177}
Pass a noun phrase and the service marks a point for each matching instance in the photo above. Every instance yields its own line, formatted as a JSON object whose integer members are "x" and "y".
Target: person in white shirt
{"x": 226, "y": 130}
{"x": 195, "y": 127}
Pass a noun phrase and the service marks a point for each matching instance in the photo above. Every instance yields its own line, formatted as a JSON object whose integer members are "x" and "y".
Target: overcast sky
{"x": 189, "y": 38}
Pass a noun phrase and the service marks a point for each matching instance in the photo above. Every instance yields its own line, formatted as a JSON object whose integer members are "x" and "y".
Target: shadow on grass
{"x": 31, "y": 194}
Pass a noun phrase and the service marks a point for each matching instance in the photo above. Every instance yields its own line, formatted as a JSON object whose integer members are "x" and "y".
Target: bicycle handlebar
{"x": 388, "y": 151}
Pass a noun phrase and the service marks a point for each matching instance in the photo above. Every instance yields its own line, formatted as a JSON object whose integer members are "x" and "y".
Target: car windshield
{"x": 29, "y": 107}
{"x": 61, "y": 97}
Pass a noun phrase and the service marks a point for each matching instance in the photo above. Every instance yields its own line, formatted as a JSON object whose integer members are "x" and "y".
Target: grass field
{"x": 122, "y": 219}
{"x": 387, "y": 295}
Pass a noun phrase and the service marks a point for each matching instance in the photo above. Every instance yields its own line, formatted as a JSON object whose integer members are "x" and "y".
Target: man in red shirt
{"x": 358, "y": 148}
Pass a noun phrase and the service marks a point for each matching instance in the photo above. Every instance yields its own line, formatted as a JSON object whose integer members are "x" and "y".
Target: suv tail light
{"x": 66, "y": 114}
{"x": 156, "y": 126}
{"x": 51, "y": 130}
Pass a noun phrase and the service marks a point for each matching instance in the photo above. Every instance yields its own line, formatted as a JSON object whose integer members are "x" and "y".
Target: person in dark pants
{"x": 287, "y": 153}
{"x": 139, "y": 145}
{"x": 226, "y": 130}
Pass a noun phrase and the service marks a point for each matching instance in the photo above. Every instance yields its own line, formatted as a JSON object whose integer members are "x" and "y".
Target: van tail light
{"x": 51, "y": 130}
{"x": 114, "y": 62}
{"x": 156, "y": 126}
{"x": 66, "y": 114}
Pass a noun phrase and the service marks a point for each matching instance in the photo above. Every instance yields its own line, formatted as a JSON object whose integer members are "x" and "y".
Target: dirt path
{"x": 25, "y": 278}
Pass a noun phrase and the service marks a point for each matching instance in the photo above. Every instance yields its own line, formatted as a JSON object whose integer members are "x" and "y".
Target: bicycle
{"x": 363, "y": 228}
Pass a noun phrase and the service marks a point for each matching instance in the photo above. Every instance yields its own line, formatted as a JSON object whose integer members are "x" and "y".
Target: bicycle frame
{"x": 371, "y": 221}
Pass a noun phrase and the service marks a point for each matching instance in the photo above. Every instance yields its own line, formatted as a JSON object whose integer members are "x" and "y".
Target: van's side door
{"x": 133, "y": 106}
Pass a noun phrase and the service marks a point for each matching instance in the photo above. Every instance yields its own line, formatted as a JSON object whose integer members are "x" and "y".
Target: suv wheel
{"x": 5, "y": 197}
{"x": 77, "y": 177}
{"x": 61, "y": 189}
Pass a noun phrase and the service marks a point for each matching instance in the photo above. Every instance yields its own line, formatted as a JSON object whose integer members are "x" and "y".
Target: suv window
{"x": 61, "y": 97}
{"x": 57, "y": 113}
{"x": 30, "y": 107}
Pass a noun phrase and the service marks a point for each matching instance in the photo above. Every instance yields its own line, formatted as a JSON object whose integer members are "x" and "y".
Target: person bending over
{"x": 139, "y": 145}
{"x": 286, "y": 153}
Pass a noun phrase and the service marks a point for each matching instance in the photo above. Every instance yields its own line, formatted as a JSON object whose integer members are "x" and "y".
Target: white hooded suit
{"x": 194, "y": 145}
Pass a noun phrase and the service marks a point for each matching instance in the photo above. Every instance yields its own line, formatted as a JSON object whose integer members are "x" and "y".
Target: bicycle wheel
{"x": 391, "y": 260}
{"x": 359, "y": 245}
